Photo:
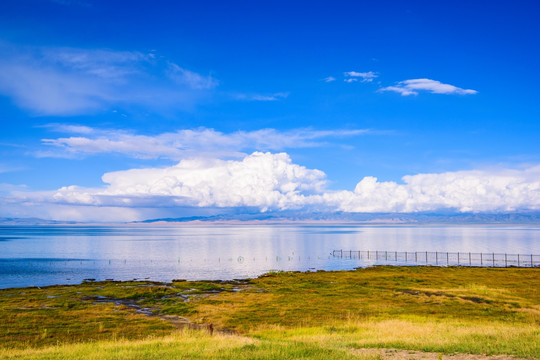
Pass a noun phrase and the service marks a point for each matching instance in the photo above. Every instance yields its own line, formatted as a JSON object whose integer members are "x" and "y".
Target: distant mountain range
{"x": 367, "y": 218}
{"x": 31, "y": 221}
{"x": 324, "y": 218}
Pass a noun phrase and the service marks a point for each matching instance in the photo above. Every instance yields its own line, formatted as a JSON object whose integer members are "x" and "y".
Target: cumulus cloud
{"x": 413, "y": 86}
{"x": 464, "y": 191}
{"x": 353, "y": 76}
{"x": 267, "y": 181}
{"x": 70, "y": 81}
{"x": 187, "y": 143}
{"x": 261, "y": 180}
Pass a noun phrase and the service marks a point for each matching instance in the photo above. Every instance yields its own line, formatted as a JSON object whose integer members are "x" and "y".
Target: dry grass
{"x": 420, "y": 334}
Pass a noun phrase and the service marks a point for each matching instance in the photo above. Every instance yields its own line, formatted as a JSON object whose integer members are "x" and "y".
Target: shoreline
{"x": 269, "y": 273}
{"x": 418, "y": 264}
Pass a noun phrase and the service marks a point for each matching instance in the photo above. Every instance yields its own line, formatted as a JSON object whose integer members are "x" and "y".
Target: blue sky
{"x": 231, "y": 106}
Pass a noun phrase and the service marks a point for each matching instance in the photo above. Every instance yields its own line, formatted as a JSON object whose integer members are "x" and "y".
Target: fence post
{"x": 505, "y": 260}
{"x": 436, "y": 258}
{"x": 493, "y": 259}
{"x": 481, "y": 259}
{"x": 470, "y": 262}
{"x": 368, "y": 254}
{"x": 426, "y": 258}
{"x": 415, "y": 257}
{"x": 458, "y": 258}
{"x": 405, "y": 256}
{"x": 518, "y": 261}
{"x": 531, "y": 260}
{"x": 447, "y": 262}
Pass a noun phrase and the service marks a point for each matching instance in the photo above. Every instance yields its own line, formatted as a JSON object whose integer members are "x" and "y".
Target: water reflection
{"x": 45, "y": 255}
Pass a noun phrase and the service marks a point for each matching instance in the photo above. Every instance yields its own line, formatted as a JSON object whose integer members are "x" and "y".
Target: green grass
{"x": 39, "y": 317}
{"x": 282, "y": 315}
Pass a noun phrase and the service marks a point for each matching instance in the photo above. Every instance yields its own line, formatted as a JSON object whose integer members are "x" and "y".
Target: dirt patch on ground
{"x": 474, "y": 299}
{"x": 397, "y": 354}
{"x": 183, "y": 323}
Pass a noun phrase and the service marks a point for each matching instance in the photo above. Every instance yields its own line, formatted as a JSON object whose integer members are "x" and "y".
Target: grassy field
{"x": 312, "y": 315}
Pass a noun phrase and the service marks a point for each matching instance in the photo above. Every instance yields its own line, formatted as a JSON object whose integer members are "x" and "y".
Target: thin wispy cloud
{"x": 71, "y": 81}
{"x": 69, "y": 128}
{"x": 190, "y": 78}
{"x": 329, "y": 79}
{"x": 273, "y": 97}
{"x": 6, "y": 168}
{"x": 186, "y": 143}
{"x": 414, "y": 86}
{"x": 353, "y": 76}
{"x": 262, "y": 97}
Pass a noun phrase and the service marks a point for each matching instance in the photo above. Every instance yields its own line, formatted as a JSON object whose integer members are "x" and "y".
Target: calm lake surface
{"x": 48, "y": 255}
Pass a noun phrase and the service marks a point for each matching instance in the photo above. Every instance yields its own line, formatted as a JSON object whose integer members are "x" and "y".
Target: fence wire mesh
{"x": 441, "y": 258}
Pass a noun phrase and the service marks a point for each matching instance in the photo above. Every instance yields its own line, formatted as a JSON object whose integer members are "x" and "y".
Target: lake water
{"x": 47, "y": 255}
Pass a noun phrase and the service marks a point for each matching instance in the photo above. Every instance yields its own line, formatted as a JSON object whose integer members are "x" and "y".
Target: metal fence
{"x": 441, "y": 258}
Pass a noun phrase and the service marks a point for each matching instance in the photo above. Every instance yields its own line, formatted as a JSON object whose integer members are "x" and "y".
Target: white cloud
{"x": 261, "y": 180}
{"x": 68, "y": 128}
{"x": 5, "y": 169}
{"x": 464, "y": 191}
{"x": 267, "y": 181}
{"x": 350, "y": 80}
{"x": 413, "y": 86}
{"x": 260, "y": 97}
{"x": 13, "y": 207}
{"x": 70, "y": 81}
{"x": 189, "y": 143}
{"x": 273, "y": 97}
{"x": 365, "y": 76}
{"x": 329, "y": 79}
{"x": 190, "y": 78}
